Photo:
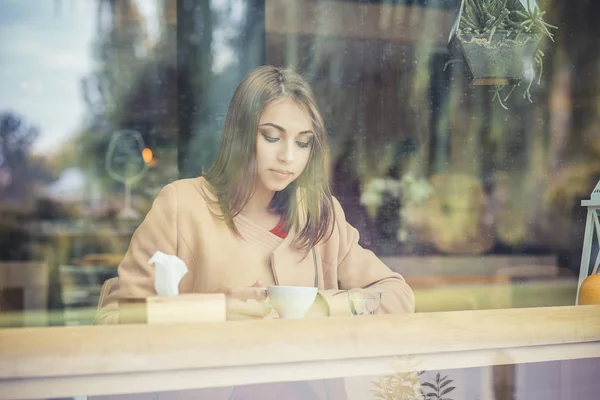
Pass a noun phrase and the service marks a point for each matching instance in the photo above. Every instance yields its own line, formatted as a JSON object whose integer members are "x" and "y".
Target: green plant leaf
{"x": 437, "y": 378}
{"x": 429, "y": 385}
{"x": 431, "y": 395}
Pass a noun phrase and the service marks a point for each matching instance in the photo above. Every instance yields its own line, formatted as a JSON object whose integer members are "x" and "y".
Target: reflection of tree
{"x": 173, "y": 91}
{"x": 216, "y": 54}
{"x": 133, "y": 88}
{"x": 19, "y": 173}
{"x": 18, "y": 170}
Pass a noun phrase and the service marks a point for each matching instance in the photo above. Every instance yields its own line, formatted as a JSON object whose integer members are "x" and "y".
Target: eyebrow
{"x": 280, "y": 128}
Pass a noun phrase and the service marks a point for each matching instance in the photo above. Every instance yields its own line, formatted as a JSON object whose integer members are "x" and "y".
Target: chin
{"x": 279, "y": 186}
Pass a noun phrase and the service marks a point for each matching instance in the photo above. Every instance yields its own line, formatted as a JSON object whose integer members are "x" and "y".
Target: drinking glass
{"x": 364, "y": 303}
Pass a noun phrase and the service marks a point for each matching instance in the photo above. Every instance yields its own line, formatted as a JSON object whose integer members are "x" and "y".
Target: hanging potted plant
{"x": 498, "y": 42}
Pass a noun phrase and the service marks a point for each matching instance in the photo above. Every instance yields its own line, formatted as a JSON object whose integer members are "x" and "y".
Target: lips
{"x": 281, "y": 173}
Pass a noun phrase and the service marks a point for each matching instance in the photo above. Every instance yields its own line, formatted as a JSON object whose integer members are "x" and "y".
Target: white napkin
{"x": 168, "y": 271}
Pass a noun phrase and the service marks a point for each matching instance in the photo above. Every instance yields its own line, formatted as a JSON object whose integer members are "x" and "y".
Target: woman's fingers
{"x": 247, "y": 302}
{"x": 249, "y": 292}
{"x": 244, "y": 309}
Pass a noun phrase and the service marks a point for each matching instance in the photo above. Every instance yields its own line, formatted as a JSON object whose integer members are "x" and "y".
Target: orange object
{"x": 589, "y": 292}
{"x": 147, "y": 155}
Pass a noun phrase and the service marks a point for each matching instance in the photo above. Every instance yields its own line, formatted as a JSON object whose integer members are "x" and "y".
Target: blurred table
{"x": 23, "y": 288}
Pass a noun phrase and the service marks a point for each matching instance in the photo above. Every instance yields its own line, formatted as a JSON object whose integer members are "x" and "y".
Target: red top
{"x": 280, "y": 230}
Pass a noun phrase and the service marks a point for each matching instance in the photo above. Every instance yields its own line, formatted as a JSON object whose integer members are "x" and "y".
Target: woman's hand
{"x": 246, "y": 302}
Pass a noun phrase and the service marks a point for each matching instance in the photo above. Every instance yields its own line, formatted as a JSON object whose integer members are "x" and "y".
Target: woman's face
{"x": 283, "y": 145}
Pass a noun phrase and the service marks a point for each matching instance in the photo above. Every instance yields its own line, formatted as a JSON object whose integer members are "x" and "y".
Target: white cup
{"x": 292, "y": 301}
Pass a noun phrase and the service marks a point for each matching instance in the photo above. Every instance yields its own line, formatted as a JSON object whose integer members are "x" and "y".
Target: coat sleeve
{"x": 360, "y": 269}
{"x": 158, "y": 231}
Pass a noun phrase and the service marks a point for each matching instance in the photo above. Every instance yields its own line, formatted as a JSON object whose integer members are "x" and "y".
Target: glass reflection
{"x": 460, "y": 195}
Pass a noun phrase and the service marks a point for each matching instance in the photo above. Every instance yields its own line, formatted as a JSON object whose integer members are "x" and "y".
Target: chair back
{"x": 109, "y": 286}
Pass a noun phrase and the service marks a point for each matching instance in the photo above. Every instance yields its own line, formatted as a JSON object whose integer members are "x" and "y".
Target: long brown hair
{"x": 233, "y": 173}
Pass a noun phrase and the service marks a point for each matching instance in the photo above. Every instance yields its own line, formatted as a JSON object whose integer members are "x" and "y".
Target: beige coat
{"x": 180, "y": 223}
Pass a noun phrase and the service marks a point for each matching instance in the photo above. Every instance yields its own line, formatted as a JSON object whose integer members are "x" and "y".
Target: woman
{"x": 262, "y": 215}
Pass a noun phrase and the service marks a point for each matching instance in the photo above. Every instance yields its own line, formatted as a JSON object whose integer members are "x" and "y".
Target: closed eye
{"x": 270, "y": 139}
{"x": 303, "y": 145}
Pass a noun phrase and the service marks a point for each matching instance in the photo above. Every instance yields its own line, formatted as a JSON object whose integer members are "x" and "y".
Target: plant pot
{"x": 501, "y": 61}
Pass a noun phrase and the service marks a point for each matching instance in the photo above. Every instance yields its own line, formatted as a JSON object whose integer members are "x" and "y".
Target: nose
{"x": 286, "y": 152}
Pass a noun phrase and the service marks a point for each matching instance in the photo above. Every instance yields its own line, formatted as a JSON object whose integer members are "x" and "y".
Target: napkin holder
{"x": 182, "y": 309}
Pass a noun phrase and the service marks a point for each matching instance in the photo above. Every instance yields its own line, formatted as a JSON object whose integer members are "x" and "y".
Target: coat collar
{"x": 290, "y": 266}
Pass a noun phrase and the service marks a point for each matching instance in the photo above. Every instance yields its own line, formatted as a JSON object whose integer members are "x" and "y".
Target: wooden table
{"x": 68, "y": 361}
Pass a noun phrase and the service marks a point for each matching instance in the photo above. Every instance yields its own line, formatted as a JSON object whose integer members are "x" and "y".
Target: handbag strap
{"x": 316, "y": 284}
